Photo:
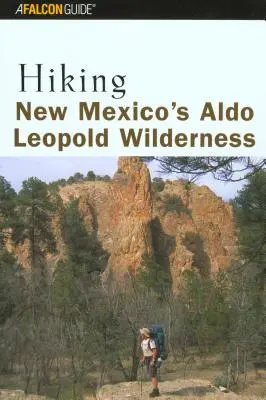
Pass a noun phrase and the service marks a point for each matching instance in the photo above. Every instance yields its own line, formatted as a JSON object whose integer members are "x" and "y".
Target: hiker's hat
{"x": 145, "y": 332}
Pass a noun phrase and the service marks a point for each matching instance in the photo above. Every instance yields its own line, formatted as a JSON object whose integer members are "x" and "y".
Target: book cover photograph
{"x": 133, "y": 200}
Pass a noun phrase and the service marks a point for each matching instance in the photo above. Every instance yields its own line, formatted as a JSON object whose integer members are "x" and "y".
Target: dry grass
{"x": 180, "y": 381}
{"x": 212, "y": 367}
{"x": 18, "y": 395}
{"x": 220, "y": 397}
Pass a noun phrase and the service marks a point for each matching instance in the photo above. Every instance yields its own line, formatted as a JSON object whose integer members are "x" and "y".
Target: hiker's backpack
{"x": 157, "y": 334}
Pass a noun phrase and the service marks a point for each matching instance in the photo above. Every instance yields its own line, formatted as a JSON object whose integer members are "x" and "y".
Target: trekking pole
{"x": 141, "y": 378}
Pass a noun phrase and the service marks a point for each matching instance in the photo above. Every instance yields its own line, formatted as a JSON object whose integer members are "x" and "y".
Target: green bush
{"x": 220, "y": 380}
{"x": 158, "y": 184}
{"x": 174, "y": 203}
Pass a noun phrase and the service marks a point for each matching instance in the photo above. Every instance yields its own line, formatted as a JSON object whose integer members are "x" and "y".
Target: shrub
{"x": 174, "y": 203}
{"x": 220, "y": 380}
{"x": 158, "y": 184}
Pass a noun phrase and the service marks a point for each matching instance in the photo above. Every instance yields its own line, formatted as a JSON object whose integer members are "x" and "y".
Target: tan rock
{"x": 120, "y": 211}
{"x": 130, "y": 221}
{"x": 200, "y": 232}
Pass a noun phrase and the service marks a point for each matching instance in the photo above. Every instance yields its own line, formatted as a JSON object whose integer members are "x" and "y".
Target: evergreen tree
{"x": 158, "y": 184}
{"x": 83, "y": 247}
{"x": 70, "y": 180}
{"x": 87, "y": 322}
{"x": 11, "y": 298}
{"x": 7, "y": 206}
{"x": 106, "y": 178}
{"x": 245, "y": 335}
{"x": 91, "y": 176}
{"x": 34, "y": 209}
{"x": 206, "y": 308}
{"x": 10, "y": 277}
{"x": 250, "y": 211}
{"x": 154, "y": 277}
{"x": 228, "y": 169}
{"x": 85, "y": 260}
{"x": 78, "y": 177}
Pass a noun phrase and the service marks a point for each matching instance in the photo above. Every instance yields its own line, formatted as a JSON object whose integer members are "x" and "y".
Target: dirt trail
{"x": 18, "y": 395}
{"x": 170, "y": 390}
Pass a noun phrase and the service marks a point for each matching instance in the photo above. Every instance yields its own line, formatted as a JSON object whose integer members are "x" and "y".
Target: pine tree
{"x": 33, "y": 228}
{"x": 154, "y": 277}
{"x": 79, "y": 299}
{"x": 91, "y": 176}
{"x": 10, "y": 279}
{"x": 83, "y": 247}
{"x": 227, "y": 169}
{"x": 7, "y": 206}
{"x": 85, "y": 260}
{"x": 34, "y": 210}
{"x": 250, "y": 211}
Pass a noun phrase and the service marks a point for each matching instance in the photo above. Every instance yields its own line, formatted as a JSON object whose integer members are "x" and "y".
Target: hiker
{"x": 149, "y": 359}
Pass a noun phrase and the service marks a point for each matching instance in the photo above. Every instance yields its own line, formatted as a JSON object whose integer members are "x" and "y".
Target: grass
{"x": 195, "y": 368}
{"x": 221, "y": 396}
{"x": 208, "y": 369}
{"x": 15, "y": 382}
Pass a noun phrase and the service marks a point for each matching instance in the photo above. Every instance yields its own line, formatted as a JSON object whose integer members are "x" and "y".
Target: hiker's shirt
{"x": 147, "y": 346}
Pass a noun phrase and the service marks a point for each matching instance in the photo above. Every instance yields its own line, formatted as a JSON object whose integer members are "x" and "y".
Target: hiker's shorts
{"x": 151, "y": 369}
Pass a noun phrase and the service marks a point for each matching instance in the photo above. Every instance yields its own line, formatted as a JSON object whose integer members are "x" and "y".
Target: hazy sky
{"x": 48, "y": 169}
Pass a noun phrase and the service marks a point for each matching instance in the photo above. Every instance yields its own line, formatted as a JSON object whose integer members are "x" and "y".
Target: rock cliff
{"x": 120, "y": 212}
{"x": 193, "y": 227}
{"x": 184, "y": 225}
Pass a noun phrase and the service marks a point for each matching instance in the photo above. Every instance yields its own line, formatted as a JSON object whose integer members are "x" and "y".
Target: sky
{"x": 212, "y": 69}
{"x": 166, "y": 65}
{"x": 48, "y": 169}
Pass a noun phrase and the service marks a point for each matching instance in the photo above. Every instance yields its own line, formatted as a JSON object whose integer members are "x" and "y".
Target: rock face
{"x": 184, "y": 225}
{"x": 120, "y": 212}
{"x": 193, "y": 227}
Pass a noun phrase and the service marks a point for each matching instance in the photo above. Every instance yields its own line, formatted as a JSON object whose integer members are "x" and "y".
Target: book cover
{"x": 132, "y": 200}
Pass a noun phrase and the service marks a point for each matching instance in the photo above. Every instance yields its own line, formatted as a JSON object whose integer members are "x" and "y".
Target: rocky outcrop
{"x": 194, "y": 227}
{"x": 184, "y": 225}
{"x": 120, "y": 211}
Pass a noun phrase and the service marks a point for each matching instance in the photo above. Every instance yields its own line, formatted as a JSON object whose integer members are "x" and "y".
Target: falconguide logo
{"x": 55, "y": 9}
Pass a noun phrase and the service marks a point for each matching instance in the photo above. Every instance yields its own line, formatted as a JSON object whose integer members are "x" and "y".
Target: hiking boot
{"x": 155, "y": 393}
